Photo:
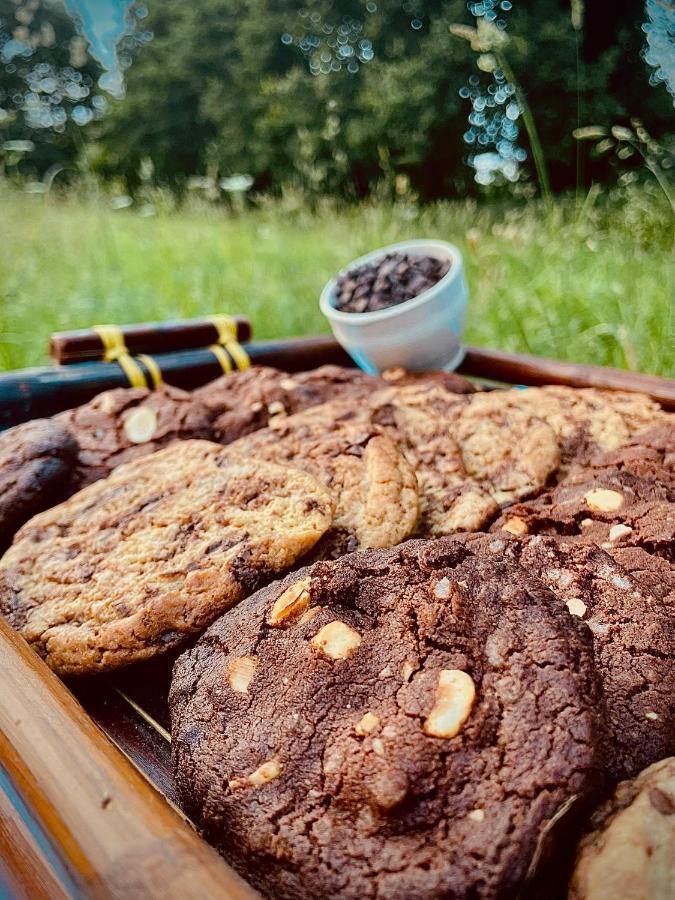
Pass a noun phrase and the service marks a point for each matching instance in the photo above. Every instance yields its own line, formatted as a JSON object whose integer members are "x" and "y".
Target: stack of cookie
{"x": 441, "y": 620}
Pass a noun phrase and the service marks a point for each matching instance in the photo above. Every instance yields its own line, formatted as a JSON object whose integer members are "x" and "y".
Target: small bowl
{"x": 419, "y": 334}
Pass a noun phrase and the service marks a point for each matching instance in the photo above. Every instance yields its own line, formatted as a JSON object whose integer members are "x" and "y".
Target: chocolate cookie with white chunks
{"x": 629, "y": 851}
{"x": 399, "y": 723}
{"x": 136, "y": 563}
{"x": 247, "y": 401}
{"x": 609, "y": 507}
{"x": 374, "y": 488}
{"x": 36, "y": 465}
{"x": 632, "y": 628}
{"x": 127, "y": 423}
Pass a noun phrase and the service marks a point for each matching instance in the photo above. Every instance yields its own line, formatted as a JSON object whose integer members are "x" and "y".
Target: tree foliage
{"x": 340, "y": 94}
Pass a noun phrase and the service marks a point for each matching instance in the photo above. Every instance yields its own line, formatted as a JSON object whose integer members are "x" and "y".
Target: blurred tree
{"x": 48, "y": 84}
{"x": 336, "y": 95}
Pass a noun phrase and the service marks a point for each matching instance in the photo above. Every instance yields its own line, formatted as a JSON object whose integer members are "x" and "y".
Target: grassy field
{"x": 591, "y": 285}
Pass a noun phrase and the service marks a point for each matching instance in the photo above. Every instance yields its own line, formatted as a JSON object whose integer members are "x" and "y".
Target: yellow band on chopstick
{"x": 152, "y": 367}
{"x": 239, "y": 355}
{"x": 115, "y": 350}
{"x": 226, "y": 328}
{"x": 222, "y": 357}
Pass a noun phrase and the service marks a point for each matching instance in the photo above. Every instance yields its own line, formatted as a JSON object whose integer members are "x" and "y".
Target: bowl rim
{"x": 375, "y": 315}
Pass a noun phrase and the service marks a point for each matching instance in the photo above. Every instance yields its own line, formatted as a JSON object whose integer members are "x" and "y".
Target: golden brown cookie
{"x": 136, "y": 563}
{"x": 629, "y": 853}
{"x": 512, "y": 451}
{"x": 422, "y": 418}
{"x": 374, "y": 489}
{"x": 585, "y": 420}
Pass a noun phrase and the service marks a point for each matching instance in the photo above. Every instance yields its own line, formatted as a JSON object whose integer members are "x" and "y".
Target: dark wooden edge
{"x": 76, "y": 817}
{"x": 514, "y": 368}
{"x": 32, "y": 393}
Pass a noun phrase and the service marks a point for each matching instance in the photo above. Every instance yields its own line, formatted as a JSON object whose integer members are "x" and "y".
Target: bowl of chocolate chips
{"x": 403, "y": 305}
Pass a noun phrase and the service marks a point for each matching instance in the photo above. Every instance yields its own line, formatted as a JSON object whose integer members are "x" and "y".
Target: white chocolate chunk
{"x": 291, "y": 604}
{"x": 140, "y": 425}
{"x": 603, "y": 500}
{"x": 336, "y": 640}
{"x": 455, "y": 696}
{"x": 577, "y": 607}
{"x": 268, "y": 771}
{"x": 616, "y": 532}
{"x": 367, "y": 724}
{"x": 442, "y": 589}
{"x": 240, "y": 673}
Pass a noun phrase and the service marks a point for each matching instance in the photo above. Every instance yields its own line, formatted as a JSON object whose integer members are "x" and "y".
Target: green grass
{"x": 592, "y": 288}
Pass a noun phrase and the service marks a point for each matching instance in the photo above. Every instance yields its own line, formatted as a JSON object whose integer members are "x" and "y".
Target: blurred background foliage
{"x": 186, "y": 157}
{"x": 334, "y": 97}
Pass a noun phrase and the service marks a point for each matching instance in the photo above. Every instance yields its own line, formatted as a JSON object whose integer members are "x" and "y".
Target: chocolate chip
{"x": 391, "y": 280}
{"x": 661, "y": 802}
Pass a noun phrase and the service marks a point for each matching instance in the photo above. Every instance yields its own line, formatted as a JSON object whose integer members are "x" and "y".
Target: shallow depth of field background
{"x": 259, "y": 147}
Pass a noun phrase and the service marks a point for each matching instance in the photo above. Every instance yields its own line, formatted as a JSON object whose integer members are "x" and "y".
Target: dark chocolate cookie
{"x": 244, "y": 402}
{"x": 629, "y": 852}
{"x": 398, "y": 723}
{"x": 632, "y": 629}
{"x": 650, "y": 454}
{"x": 610, "y": 507}
{"x": 36, "y": 464}
{"x": 127, "y": 423}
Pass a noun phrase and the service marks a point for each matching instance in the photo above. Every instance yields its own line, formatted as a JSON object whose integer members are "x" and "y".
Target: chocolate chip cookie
{"x": 137, "y": 562}
{"x": 244, "y": 402}
{"x": 630, "y": 849}
{"x": 632, "y": 629}
{"x": 398, "y": 723}
{"x": 374, "y": 488}
{"x": 450, "y": 500}
{"x": 36, "y": 464}
{"x": 127, "y": 423}
{"x": 586, "y": 421}
{"x": 469, "y": 456}
{"x": 610, "y": 507}
{"x": 449, "y": 381}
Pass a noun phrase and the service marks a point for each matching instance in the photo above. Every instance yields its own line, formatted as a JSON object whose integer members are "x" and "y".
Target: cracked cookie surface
{"x": 36, "y": 466}
{"x": 373, "y": 487}
{"x": 629, "y": 850}
{"x": 395, "y": 723}
{"x": 124, "y": 424}
{"x": 586, "y": 421}
{"x": 632, "y": 627}
{"x": 136, "y": 563}
{"x": 610, "y": 507}
{"x": 247, "y": 401}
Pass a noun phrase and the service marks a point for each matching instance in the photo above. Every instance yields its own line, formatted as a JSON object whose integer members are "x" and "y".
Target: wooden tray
{"x": 87, "y": 803}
